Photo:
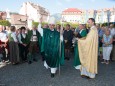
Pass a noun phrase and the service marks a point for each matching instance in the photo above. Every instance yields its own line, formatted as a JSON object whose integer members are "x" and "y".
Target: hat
{"x": 52, "y": 20}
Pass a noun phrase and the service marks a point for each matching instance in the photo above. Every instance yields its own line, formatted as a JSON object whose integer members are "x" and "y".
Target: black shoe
{"x": 86, "y": 77}
{"x": 67, "y": 58}
{"x": 43, "y": 59}
{"x": 83, "y": 76}
{"x": 30, "y": 62}
{"x": 35, "y": 60}
{"x": 52, "y": 75}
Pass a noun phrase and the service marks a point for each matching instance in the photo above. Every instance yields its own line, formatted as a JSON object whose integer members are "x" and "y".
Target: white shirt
{"x": 3, "y": 36}
{"x": 34, "y": 32}
{"x": 7, "y": 32}
{"x": 34, "y": 38}
{"x": 13, "y": 35}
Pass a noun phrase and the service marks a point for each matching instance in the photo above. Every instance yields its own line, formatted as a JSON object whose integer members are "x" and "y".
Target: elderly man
{"x": 52, "y": 46}
{"x": 4, "y": 40}
{"x": 34, "y": 43}
{"x": 88, "y": 51}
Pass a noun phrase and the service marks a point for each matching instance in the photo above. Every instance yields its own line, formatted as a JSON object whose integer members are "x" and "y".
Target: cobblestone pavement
{"x": 36, "y": 75}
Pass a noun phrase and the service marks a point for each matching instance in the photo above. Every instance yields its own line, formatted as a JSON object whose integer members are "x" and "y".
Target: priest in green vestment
{"x": 52, "y": 46}
{"x": 80, "y": 34}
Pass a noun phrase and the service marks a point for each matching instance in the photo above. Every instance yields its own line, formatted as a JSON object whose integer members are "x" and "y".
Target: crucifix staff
{"x": 61, "y": 35}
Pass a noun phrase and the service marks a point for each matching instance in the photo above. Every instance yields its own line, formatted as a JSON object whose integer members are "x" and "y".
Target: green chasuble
{"x": 76, "y": 53}
{"x": 51, "y": 48}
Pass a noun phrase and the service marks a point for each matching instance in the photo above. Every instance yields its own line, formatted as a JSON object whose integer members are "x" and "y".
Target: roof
{"x": 18, "y": 19}
{"x": 39, "y": 8}
{"x": 72, "y": 10}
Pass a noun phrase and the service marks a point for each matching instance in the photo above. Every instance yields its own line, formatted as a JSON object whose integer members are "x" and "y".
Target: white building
{"x": 34, "y": 12}
{"x": 75, "y": 15}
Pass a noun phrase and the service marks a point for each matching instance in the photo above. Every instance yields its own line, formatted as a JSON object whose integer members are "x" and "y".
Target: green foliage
{"x": 104, "y": 24}
{"x": 36, "y": 23}
{"x": 5, "y": 23}
{"x": 58, "y": 22}
{"x": 43, "y": 23}
{"x": 73, "y": 25}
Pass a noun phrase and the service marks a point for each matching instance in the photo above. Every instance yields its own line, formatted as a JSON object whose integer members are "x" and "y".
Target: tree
{"x": 43, "y": 23}
{"x": 36, "y": 23}
{"x": 5, "y": 23}
{"x": 73, "y": 25}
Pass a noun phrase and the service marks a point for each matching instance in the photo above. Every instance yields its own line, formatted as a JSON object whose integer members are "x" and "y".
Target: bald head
{"x": 1, "y": 28}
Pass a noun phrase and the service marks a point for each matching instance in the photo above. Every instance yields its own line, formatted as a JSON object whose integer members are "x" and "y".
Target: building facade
{"x": 34, "y": 12}
{"x": 3, "y": 15}
{"x": 75, "y": 15}
{"x": 72, "y": 15}
{"x": 15, "y": 19}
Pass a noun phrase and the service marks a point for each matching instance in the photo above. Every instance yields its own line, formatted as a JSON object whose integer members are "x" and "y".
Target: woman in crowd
{"x": 68, "y": 36}
{"x": 13, "y": 46}
{"x": 107, "y": 46}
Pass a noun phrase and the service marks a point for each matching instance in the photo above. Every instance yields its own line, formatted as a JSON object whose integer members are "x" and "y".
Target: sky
{"x": 57, "y": 6}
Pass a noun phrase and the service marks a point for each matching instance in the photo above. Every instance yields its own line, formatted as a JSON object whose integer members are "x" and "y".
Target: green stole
{"x": 76, "y": 52}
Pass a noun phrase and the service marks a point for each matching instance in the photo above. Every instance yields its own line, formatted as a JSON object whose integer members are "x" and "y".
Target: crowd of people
{"x": 55, "y": 44}
{"x": 107, "y": 43}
